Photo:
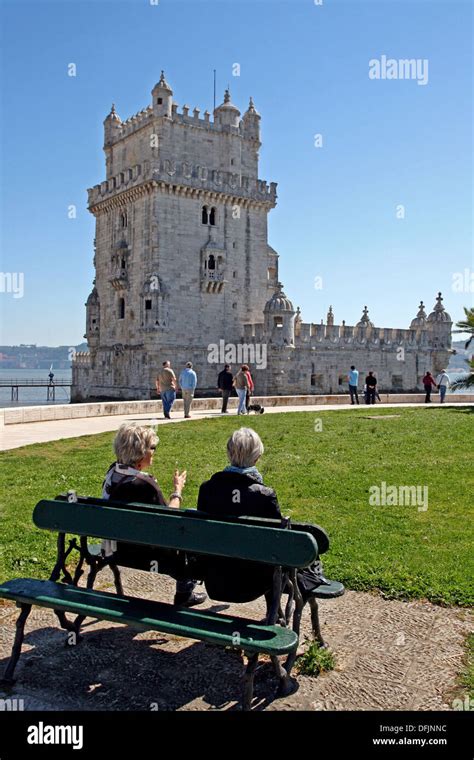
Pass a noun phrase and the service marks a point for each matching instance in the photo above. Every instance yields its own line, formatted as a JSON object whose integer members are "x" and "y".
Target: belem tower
{"x": 184, "y": 271}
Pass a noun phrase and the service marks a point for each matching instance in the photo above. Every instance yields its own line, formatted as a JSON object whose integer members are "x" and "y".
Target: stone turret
{"x": 419, "y": 322}
{"x": 162, "y": 98}
{"x": 330, "y": 317}
{"x": 298, "y": 322}
{"x": 251, "y": 123}
{"x": 439, "y": 315}
{"x": 227, "y": 114}
{"x": 279, "y": 317}
{"x": 364, "y": 320}
{"x": 93, "y": 320}
{"x": 439, "y": 325}
{"x": 112, "y": 126}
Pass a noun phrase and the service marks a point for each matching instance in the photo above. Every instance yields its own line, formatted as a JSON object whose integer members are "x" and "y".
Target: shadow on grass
{"x": 458, "y": 410}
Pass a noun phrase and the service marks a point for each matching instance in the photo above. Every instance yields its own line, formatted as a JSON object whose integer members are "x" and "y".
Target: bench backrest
{"x": 319, "y": 534}
{"x": 169, "y": 529}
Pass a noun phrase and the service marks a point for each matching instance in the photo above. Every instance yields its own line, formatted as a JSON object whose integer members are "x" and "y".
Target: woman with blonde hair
{"x": 127, "y": 480}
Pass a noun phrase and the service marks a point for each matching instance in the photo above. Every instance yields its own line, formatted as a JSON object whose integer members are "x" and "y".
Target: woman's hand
{"x": 179, "y": 480}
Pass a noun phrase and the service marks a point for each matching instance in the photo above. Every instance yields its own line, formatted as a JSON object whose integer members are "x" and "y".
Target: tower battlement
{"x": 186, "y": 117}
{"x": 184, "y": 178}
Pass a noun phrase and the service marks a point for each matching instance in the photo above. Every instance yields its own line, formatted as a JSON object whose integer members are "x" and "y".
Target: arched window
{"x": 121, "y": 308}
{"x": 123, "y": 220}
{"x": 211, "y": 262}
{"x": 212, "y": 216}
{"x": 204, "y": 217}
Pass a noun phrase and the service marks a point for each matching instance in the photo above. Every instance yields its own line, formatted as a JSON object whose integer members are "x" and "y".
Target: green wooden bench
{"x": 169, "y": 533}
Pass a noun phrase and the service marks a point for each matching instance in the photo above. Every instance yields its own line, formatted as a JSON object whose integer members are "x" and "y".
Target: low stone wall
{"x": 18, "y": 415}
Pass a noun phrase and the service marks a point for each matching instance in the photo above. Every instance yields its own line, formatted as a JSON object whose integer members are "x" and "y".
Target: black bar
{"x": 319, "y": 734}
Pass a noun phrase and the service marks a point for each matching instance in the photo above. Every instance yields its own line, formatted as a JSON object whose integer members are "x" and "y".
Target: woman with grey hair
{"x": 127, "y": 480}
{"x": 236, "y": 491}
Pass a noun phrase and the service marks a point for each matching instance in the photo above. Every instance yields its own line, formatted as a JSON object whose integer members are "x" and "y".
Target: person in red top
{"x": 429, "y": 382}
{"x": 246, "y": 371}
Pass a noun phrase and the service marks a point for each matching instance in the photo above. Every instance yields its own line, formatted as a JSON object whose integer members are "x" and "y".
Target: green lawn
{"x": 320, "y": 475}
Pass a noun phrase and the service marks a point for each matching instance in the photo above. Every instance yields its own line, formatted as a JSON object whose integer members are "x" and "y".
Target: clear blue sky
{"x": 385, "y": 142}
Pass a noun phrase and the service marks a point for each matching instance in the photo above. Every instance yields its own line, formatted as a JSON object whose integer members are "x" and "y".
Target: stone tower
{"x": 181, "y": 253}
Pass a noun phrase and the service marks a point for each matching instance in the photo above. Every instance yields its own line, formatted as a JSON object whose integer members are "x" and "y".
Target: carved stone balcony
{"x": 119, "y": 279}
{"x": 212, "y": 281}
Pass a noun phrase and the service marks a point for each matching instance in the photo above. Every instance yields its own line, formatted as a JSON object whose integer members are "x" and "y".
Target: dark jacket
{"x": 128, "y": 488}
{"x": 232, "y": 580}
{"x": 144, "y": 489}
{"x": 217, "y": 496}
{"x": 224, "y": 380}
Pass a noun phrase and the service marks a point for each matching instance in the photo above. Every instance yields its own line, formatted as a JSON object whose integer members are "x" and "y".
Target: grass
{"x": 315, "y": 660}
{"x": 321, "y": 464}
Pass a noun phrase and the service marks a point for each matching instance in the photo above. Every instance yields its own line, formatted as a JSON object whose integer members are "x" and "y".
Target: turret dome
{"x": 439, "y": 314}
{"x": 364, "y": 320}
{"x": 420, "y": 319}
{"x": 279, "y": 302}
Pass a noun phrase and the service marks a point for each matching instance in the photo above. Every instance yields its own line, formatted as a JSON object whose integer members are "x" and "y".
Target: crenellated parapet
{"x": 227, "y": 117}
{"x": 186, "y": 178}
{"x": 82, "y": 358}
{"x": 353, "y": 335}
{"x": 282, "y": 326}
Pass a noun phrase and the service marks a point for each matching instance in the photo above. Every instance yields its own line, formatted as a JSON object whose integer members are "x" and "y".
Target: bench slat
{"x": 253, "y": 543}
{"x": 319, "y": 533}
{"x": 146, "y": 614}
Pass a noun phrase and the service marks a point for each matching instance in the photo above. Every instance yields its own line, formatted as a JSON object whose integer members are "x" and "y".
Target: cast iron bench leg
{"x": 286, "y": 684}
{"x": 248, "y": 681}
{"x": 315, "y": 621}
{"x": 117, "y": 579}
{"x": 299, "y": 604}
{"x": 8, "y": 679}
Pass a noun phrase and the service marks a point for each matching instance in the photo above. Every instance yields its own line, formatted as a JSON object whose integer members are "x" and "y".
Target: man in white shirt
{"x": 442, "y": 381}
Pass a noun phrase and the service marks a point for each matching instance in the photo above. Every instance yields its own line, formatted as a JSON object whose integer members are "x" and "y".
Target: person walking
{"x": 251, "y": 386}
{"x": 353, "y": 378}
{"x": 187, "y": 383}
{"x": 224, "y": 383}
{"x": 166, "y": 386}
{"x": 371, "y": 383}
{"x": 241, "y": 384}
{"x": 443, "y": 382}
{"x": 429, "y": 383}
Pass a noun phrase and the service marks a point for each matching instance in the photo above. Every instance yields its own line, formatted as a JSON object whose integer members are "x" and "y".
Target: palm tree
{"x": 466, "y": 326}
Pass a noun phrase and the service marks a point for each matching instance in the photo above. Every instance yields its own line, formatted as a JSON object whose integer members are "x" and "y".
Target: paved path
{"x": 390, "y": 655}
{"x": 23, "y": 434}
